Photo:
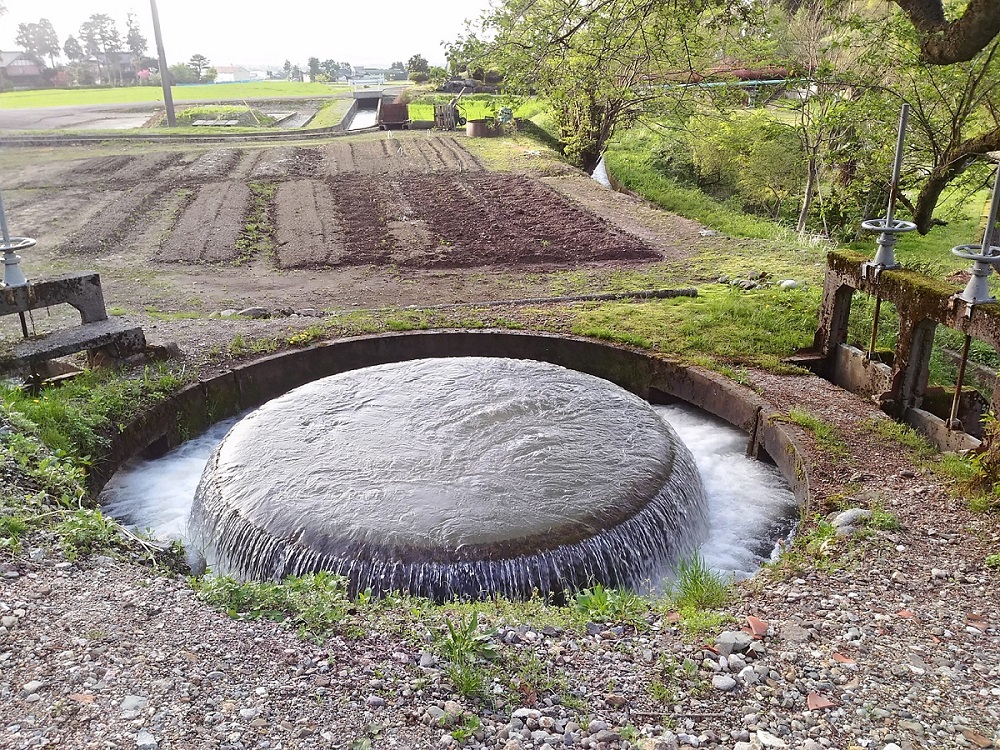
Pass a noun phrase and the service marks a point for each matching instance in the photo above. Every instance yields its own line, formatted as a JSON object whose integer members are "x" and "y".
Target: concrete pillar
{"x": 911, "y": 367}
{"x": 834, "y": 314}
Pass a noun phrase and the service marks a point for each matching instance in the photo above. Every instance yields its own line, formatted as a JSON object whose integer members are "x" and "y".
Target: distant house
{"x": 19, "y": 71}
{"x": 232, "y": 74}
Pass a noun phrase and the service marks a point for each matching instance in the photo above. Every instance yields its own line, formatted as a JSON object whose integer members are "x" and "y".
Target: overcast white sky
{"x": 359, "y": 32}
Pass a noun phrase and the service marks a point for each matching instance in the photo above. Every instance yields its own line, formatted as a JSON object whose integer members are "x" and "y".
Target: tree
{"x": 182, "y": 73}
{"x": 943, "y": 41}
{"x": 137, "y": 43}
{"x": 39, "y": 40}
{"x": 100, "y": 37}
{"x": 593, "y": 62}
{"x": 73, "y": 50}
{"x": 463, "y": 53}
{"x": 956, "y": 118}
{"x": 397, "y": 66}
{"x": 331, "y": 69}
{"x": 417, "y": 64}
{"x": 27, "y": 39}
{"x": 314, "y": 67}
{"x": 287, "y": 67}
{"x": 198, "y": 64}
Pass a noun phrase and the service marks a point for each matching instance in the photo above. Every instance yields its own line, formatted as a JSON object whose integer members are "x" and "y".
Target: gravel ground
{"x": 889, "y": 639}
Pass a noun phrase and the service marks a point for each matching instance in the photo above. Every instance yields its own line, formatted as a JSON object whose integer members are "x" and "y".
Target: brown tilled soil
{"x": 107, "y": 228}
{"x": 209, "y": 228}
{"x": 309, "y": 231}
{"x": 407, "y": 218}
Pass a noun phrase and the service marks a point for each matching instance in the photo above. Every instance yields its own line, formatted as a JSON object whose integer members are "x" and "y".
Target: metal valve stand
{"x": 13, "y": 276}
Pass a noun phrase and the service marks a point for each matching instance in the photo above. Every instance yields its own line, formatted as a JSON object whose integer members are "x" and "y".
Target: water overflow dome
{"x": 467, "y": 476}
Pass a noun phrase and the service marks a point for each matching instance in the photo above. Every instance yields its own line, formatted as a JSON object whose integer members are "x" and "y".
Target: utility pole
{"x": 168, "y": 97}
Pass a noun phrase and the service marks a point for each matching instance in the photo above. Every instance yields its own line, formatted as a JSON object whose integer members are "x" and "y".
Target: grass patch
{"x": 84, "y": 532}
{"x": 242, "y": 346}
{"x": 828, "y": 438}
{"x": 757, "y": 327}
{"x": 883, "y": 520}
{"x": 246, "y": 116}
{"x": 153, "y": 94}
{"x": 903, "y": 434}
{"x": 316, "y": 604}
{"x": 75, "y": 419}
{"x": 697, "y": 587}
{"x": 600, "y": 604}
{"x": 331, "y": 114}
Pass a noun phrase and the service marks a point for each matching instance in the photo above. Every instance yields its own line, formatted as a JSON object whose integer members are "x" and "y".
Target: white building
{"x": 232, "y": 74}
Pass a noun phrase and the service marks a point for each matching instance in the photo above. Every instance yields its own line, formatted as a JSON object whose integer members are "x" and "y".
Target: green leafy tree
{"x": 287, "y": 67}
{"x": 73, "y": 50}
{"x": 39, "y": 40}
{"x": 100, "y": 37}
{"x": 464, "y": 53}
{"x": 418, "y": 64}
{"x": 47, "y": 41}
{"x": 945, "y": 37}
{"x": 331, "y": 69}
{"x": 199, "y": 64}
{"x": 136, "y": 42}
{"x": 594, "y": 62}
{"x": 27, "y": 38}
{"x": 954, "y": 121}
{"x": 314, "y": 67}
{"x": 182, "y": 73}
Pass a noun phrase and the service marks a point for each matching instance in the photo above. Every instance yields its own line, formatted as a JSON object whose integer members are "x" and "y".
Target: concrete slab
{"x": 119, "y": 336}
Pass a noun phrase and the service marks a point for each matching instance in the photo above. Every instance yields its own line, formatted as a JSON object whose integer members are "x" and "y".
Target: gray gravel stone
{"x": 851, "y": 517}
{"x": 732, "y": 641}
{"x": 723, "y": 682}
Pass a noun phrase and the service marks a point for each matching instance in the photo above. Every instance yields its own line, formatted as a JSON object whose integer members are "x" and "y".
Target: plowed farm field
{"x": 329, "y": 222}
{"x": 421, "y": 203}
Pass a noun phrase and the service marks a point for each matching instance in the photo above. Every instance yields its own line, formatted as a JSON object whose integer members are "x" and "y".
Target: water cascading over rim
{"x": 469, "y": 476}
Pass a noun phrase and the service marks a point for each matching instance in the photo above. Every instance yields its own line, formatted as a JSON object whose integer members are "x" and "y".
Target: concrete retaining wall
{"x": 196, "y": 407}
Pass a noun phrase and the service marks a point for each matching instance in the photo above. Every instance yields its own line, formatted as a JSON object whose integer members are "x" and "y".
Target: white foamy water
{"x": 750, "y": 510}
{"x": 750, "y": 506}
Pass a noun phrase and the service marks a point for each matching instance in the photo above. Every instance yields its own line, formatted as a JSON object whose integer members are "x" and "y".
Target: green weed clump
{"x": 245, "y": 116}
{"x": 85, "y": 532}
{"x": 75, "y": 420}
{"x": 467, "y": 651}
{"x": 257, "y": 236}
{"x": 698, "y": 587}
{"x": 630, "y": 162}
{"x": 317, "y": 604}
{"x": 600, "y": 604}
